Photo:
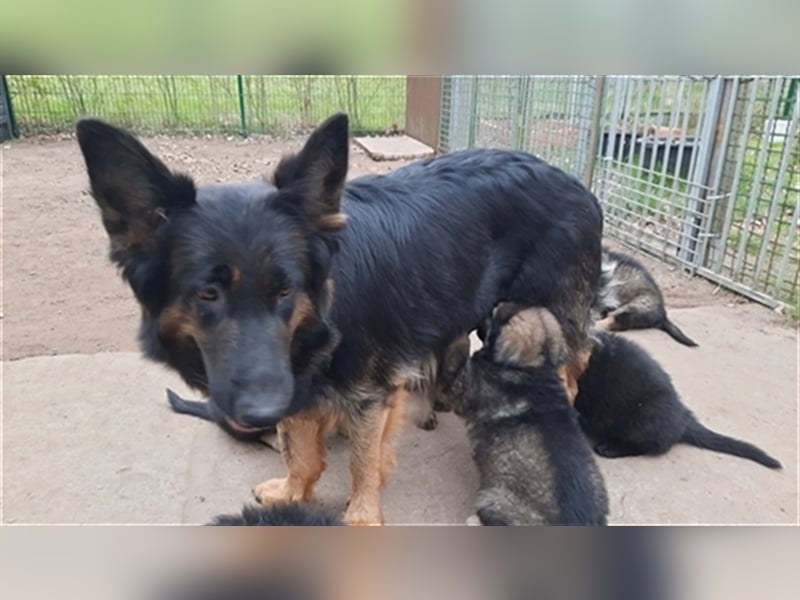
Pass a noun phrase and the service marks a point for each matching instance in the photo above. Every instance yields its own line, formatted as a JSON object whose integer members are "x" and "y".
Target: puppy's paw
{"x": 473, "y": 521}
{"x": 609, "y": 450}
{"x": 429, "y": 423}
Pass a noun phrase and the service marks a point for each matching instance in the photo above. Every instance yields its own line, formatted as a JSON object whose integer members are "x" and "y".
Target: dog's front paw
{"x": 273, "y": 491}
{"x": 362, "y": 517}
{"x": 474, "y": 520}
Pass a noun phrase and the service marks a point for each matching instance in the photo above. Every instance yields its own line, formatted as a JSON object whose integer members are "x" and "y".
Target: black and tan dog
{"x": 535, "y": 465}
{"x": 305, "y": 301}
{"x": 629, "y": 298}
{"x": 629, "y": 406}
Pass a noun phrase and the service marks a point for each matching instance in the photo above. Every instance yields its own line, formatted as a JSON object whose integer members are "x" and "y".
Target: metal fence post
{"x": 594, "y": 130}
{"x": 473, "y": 114}
{"x": 242, "y": 115}
{"x": 5, "y": 99}
{"x": 522, "y": 116}
{"x": 694, "y": 229}
{"x": 716, "y": 168}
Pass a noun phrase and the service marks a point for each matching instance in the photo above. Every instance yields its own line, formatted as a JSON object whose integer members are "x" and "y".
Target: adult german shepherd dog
{"x": 306, "y": 301}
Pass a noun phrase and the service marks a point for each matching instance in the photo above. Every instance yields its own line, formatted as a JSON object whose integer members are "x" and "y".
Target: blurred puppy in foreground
{"x": 535, "y": 465}
{"x": 278, "y": 515}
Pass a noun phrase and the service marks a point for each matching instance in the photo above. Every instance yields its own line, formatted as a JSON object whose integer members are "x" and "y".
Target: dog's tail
{"x": 699, "y": 435}
{"x": 675, "y": 333}
{"x": 188, "y": 407}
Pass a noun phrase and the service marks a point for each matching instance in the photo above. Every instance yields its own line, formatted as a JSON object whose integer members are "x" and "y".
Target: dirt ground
{"x": 62, "y": 297}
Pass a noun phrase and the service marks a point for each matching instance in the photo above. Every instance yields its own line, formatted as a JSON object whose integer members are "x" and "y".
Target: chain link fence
{"x": 699, "y": 171}
{"x": 754, "y": 242}
{"x": 207, "y": 104}
{"x": 549, "y": 116}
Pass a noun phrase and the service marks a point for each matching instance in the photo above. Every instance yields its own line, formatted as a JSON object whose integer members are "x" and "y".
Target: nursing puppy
{"x": 628, "y": 405}
{"x": 535, "y": 465}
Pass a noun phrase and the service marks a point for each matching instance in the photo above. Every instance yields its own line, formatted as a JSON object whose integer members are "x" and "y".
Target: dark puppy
{"x": 536, "y": 467}
{"x": 628, "y": 404}
{"x": 629, "y": 298}
{"x": 294, "y": 514}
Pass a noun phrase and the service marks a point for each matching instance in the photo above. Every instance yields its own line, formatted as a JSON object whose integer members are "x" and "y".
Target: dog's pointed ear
{"x": 135, "y": 191}
{"x": 318, "y": 172}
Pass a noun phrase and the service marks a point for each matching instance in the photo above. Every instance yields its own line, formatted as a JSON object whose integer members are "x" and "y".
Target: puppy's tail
{"x": 188, "y": 407}
{"x": 702, "y": 437}
{"x": 676, "y": 334}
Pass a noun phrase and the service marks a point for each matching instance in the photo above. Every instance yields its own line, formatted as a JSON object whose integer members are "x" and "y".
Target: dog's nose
{"x": 260, "y": 414}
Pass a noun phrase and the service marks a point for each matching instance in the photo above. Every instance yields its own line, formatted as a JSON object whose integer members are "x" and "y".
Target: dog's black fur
{"x": 292, "y": 514}
{"x": 628, "y": 405}
{"x": 221, "y": 271}
{"x": 535, "y": 465}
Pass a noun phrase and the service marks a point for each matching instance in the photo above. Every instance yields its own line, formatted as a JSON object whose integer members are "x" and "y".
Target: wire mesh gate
{"x": 700, "y": 171}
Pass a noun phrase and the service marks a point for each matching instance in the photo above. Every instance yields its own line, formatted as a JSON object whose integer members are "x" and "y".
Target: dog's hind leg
{"x": 394, "y": 424}
{"x": 608, "y": 323}
{"x": 303, "y": 450}
{"x": 572, "y": 370}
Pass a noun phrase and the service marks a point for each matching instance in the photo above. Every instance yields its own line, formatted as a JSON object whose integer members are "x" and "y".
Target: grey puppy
{"x": 536, "y": 467}
{"x": 629, "y": 298}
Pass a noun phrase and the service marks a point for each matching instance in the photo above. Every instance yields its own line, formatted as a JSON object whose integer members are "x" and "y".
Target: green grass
{"x": 208, "y": 104}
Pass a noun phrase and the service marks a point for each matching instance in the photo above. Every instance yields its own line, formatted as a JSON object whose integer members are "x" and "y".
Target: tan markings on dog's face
{"x": 176, "y": 322}
{"x": 327, "y": 295}
{"x": 303, "y": 311}
{"x": 332, "y": 222}
{"x": 236, "y": 274}
{"x": 530, "y": 338}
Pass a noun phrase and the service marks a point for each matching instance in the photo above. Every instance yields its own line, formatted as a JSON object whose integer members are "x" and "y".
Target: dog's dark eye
{"x": 285, "y": 291}
{"x": 208, "y": 294}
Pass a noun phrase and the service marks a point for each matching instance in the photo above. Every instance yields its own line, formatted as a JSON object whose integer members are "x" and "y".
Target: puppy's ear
{"x": 135, "y": 191}
{"x": 317, "y": 173}
{"x": 530, "y": 338}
